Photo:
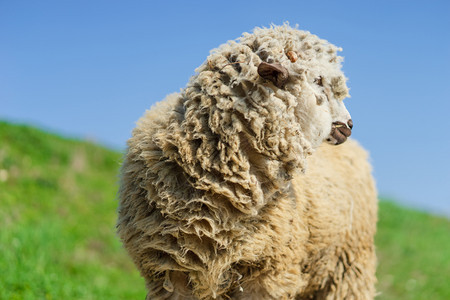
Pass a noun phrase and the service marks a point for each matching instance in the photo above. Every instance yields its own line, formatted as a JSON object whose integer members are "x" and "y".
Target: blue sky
{"x": 90, "y": 69}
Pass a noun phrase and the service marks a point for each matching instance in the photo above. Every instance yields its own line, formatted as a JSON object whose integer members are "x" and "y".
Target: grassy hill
{"x": 413, "y": 254}
{"x": 57, "y": 220}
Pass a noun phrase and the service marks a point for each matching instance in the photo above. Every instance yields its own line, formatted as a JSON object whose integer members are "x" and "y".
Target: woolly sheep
{"x": 235, "y": 188}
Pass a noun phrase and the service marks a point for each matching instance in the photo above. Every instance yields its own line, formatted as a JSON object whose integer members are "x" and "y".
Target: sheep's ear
{"x": 273, "y": 72}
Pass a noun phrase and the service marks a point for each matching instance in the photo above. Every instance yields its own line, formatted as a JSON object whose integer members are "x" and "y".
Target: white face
{"x": 319, "y": 89}
{"x": 322, "y": 112}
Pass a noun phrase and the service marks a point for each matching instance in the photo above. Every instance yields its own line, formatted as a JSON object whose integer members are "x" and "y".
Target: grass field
{"x": 413, "y": 254}
{"x": 57, "y": 219}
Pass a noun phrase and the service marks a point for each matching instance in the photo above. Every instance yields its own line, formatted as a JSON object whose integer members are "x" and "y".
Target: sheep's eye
{"x": 318, "y": 80}
{"x": 319, "y": 99}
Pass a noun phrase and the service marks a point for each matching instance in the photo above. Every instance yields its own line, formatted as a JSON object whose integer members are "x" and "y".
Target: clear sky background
{"x": 90, "y": 69}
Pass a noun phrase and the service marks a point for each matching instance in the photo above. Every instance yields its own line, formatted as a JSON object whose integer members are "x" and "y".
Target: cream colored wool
{"x": 212, "y": 200}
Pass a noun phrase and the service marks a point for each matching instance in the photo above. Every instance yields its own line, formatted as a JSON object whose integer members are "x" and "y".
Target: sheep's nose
{"x": 350, "y": 123}
{"x": 341, "y": 131}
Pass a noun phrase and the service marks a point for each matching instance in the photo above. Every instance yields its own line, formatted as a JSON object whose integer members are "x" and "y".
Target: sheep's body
{"x": 211, "y": 203}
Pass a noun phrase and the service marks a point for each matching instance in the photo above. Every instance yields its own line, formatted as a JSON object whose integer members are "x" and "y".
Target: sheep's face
{"x": 309, "y": 69}
{"x": 320, "y": 109}
{"x": 323, "y": 102}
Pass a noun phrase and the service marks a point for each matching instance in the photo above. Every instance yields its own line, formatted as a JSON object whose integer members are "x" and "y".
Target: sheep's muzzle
{"x": 341, "y": 131}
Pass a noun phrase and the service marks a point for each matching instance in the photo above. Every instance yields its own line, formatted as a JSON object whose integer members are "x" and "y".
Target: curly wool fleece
{"x": 208, "y": 204}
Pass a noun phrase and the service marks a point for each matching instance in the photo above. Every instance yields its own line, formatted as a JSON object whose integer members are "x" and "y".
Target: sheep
{"x": 241, "y": 185}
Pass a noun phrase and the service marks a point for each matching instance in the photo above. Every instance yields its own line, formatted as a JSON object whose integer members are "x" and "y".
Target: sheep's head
{"x": 340, "y": 125}
{"x": 309, "y": 69}
{"x": 274, "y": 95}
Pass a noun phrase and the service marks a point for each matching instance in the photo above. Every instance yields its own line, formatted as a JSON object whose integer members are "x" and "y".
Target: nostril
{"x": 350, "y": 123}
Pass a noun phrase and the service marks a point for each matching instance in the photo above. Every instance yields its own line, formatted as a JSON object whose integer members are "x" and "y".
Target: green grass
{"x": 57, "y": 228}
{"x": 57, "y": 219}
{"x": 413, "y": 254}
